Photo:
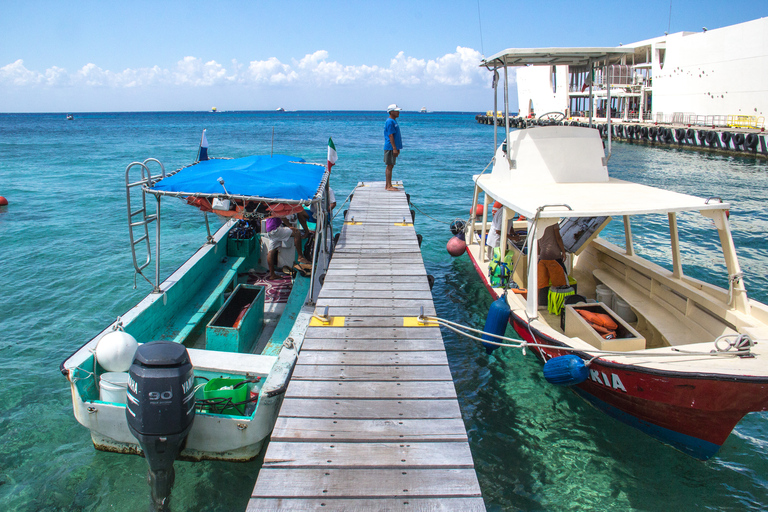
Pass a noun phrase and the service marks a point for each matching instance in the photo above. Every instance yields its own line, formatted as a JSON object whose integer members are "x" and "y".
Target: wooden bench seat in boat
{"x": 673, "y": 328}
{"x": 224, "y": 363}
{"x": 672, "y": 311}
{"x": 212, "y": 303}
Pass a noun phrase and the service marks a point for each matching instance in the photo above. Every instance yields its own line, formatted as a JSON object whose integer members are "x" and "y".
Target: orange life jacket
{"x": 601, "y": 319}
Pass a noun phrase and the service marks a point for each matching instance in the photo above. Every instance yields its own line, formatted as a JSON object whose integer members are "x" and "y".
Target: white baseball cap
{"x": 393, "y": 107}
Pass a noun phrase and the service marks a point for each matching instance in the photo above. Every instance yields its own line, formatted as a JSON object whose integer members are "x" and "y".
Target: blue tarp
{"x": 277, "y": 176}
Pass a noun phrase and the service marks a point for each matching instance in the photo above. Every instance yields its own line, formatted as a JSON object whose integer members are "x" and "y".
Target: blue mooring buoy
{"x": 567, "y": 370}
{"x": 496, "y": 322}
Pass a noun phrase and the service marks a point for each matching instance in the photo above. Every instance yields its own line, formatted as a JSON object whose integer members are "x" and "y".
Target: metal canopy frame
{"x": 554, "y": 56}
{"x": 579, "y": 57}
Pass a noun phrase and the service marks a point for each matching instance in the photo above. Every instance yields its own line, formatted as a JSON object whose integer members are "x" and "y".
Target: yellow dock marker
{"x": 403, "y": 223}
{"x": 331, "y": 321}
{"x": 414, "y": 321}
{"x": 352, "y": 223}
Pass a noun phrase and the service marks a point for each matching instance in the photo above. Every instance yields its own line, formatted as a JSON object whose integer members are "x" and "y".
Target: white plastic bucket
{"x": 604, "y": 294}
{"x": 622, "y": 309}
{"x": 113, "y": 387}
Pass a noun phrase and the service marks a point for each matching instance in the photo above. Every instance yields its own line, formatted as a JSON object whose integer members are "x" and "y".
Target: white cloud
{"x": 16, "y": 74}
{"x": 270, "y": 71}
{"x": 453, "y": 69}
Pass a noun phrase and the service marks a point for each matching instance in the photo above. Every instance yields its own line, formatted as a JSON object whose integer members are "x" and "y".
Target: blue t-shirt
{"x": 391, "y": 127}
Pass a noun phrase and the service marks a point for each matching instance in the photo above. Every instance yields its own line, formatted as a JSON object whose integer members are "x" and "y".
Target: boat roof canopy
{"x": 610, "y": 198}
{"x": 277, "y": 178}
{"x": 554, "y": 56}
{"x": 565, "y": 165}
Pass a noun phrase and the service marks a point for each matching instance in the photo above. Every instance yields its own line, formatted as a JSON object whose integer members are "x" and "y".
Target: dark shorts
{"x": 389, "y": 157}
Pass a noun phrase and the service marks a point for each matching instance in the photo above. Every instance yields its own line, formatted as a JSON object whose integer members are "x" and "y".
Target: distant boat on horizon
{"x": 213, "y": 109}
{"x": 279, "y": 109}
{"x": 70, "y": 117}
{"x": 423, "y": 110}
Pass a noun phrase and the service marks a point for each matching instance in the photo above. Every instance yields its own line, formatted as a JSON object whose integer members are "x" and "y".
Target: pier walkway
{"x": 370, "y": 419}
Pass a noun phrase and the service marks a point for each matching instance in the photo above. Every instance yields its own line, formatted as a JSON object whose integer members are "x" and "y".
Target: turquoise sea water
{"x": 66, "y": 272}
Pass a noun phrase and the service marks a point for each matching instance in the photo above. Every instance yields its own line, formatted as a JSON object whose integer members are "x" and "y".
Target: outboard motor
{"x": 160, "y": 411}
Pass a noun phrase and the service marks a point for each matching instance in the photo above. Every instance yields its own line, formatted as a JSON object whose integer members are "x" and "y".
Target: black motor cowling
{"x": 160, "y": 410}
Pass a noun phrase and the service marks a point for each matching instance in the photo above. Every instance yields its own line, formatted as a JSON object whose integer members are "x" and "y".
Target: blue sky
{"x": 90, "y": 55}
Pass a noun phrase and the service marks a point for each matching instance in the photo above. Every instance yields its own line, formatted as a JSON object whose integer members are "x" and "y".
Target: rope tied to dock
{"x": 742, "y": 344}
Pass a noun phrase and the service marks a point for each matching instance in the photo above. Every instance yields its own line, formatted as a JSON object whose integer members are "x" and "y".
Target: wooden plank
{"x": 396, "y": 333}
{"x": 369, "y": 390}
{"x": 366, "y": 483}
{"x": 375, "y": 276}
{"x": 441, "y": 504}
{"x": 394, "y": 314}
{"x": 369, "y": 409}
{"x": 377, "y": 345}
{"x": 333, "y": 454}
{"x": 372, "y": 248}
{"x": 382, "y": 267}
{"x": 407, "y": 256}
{"x": 373, "y": 358}
{"x": 386, "y": 430}
{"x": 371, "y": 373}
{"x": 335, "y": 293}
{"x": 377, "y": 321}
{"x": 351, "y": 276}
{"x": 353, "y": 286}
{"x": 374, "y": 302}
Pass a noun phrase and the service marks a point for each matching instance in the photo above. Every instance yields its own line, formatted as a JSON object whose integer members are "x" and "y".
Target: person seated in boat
{"x": 301, "y": 219}
{"x": 278, "y": 233}
{"x": 304, "y": 216}
{"x": 551, "y": 266}
{"x": 494, "y": 235}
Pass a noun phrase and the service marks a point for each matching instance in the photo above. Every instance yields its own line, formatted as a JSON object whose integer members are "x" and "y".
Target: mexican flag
{"x": 332, "y": 156}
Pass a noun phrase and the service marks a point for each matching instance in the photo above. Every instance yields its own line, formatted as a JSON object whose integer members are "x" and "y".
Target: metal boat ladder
{"x": 139, "y": 220}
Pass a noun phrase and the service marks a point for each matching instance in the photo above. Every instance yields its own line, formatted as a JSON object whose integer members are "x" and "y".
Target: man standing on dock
{"x": 392, "y": 142}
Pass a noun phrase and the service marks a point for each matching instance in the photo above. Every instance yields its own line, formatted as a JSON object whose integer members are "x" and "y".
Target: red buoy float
{"x": 478, "y": 210}
{"x": 3, "y": 201}
{"x": 456, "y": 245}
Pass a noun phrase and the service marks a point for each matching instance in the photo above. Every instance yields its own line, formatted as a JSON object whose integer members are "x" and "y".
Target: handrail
{"x": 147, "y": 179}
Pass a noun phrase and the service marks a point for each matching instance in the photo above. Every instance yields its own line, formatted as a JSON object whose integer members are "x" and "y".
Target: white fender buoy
{"x": 115, "y": 351}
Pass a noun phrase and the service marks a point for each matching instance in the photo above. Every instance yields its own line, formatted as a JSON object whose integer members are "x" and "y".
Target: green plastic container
{"x": 212, "y": 389}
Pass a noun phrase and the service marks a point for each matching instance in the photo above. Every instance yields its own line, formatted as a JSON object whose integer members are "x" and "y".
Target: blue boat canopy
{"x": 277, "y": 177}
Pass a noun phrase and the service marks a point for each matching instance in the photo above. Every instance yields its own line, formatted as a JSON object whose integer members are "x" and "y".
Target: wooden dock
{"x": 370, "y": 419}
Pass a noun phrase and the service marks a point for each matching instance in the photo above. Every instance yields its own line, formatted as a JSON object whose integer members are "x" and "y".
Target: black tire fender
{"x": 751, "y": 141}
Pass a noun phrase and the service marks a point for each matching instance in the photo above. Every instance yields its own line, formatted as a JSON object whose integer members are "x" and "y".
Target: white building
{"x": 683, "y": 77}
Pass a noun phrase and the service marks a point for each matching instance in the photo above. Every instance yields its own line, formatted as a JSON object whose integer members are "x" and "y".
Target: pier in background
{"x": 370, "y": 418}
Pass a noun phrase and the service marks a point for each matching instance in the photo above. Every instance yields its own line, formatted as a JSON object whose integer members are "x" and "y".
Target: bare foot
{"x": 304, "y": 261}
{"x": 273, "y": 277}
{"x": 392, "y": 189}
